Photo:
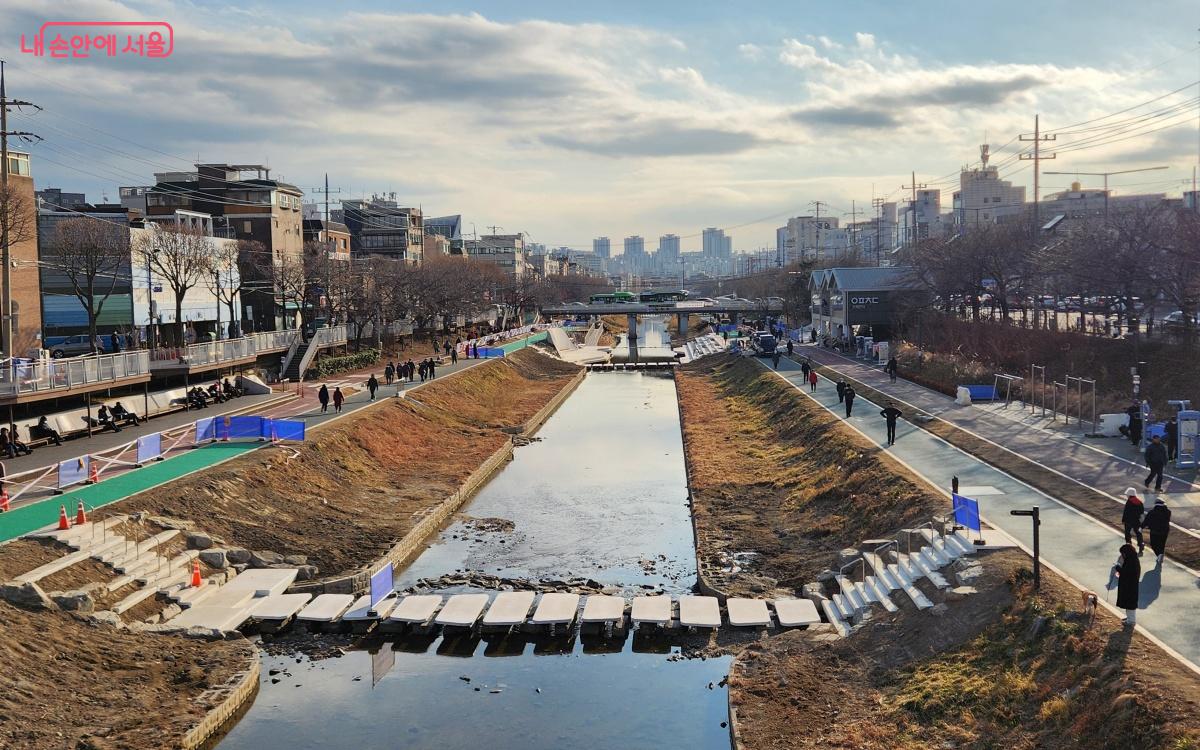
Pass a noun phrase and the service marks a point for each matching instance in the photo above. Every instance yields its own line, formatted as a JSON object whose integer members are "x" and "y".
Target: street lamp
{"x": 1106, "y": 175}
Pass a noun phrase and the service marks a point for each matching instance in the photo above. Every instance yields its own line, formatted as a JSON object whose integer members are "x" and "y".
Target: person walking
{"x": 1156, "y": 459}
{"x": 891, "y": 414}
{"x": 389, "y": 372}
{"x": 1158, "y": 523}
{"x": 789, "y": 347}
{"x": 841, "y": 391}
{"x": 432, "y": 370}
{"x": 338, "y": 399}
{"x": 805, "y": 369}
{"x": 454, "y": 356}
{"x": 891, "y": 368}
{"x": 323, "y": 397}
{"x": 812, "y": 380}
{"x": 446, "y": 347}
{"x": 1128, "y": 570}
{"x": 775, "y": 359}
{"x": 1131, "y": 518}
{"x": 1172, "y": 438}
{"x": 372, "y": 386}
{"x": 850, "y": 394}
{"x": 421, "y": 369}
{"x": 114, "y": 343}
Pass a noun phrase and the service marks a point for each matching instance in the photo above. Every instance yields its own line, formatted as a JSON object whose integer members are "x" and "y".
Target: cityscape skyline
{"x": 740, "y": 128}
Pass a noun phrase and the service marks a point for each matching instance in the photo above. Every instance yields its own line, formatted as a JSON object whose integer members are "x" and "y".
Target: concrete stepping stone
{"x": 416, "y": 609}
{"x": 462, "y": 610}
{"x": 326, "y": 608}
{"x": 600, "y": 608}
{"x": 747, "y": 613}
{"x": 699, "y": 612}
{"x": 794, "y": 613}
{"x": 509, "y": 608}
{"x": 652, "y": 610}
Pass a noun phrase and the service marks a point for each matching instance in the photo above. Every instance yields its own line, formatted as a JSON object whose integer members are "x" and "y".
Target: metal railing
{"x": 225, "y": 350}
{"x": 323, "y": 337}
{"x": 18, "y": 378}
{"x": 269, "y": 340}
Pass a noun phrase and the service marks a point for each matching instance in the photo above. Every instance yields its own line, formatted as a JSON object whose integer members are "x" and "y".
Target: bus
{"x": 612, "y": 298}
{"x": 663, "y": 295}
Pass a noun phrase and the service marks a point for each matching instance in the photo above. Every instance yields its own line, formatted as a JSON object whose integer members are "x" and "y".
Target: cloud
{"x": 657, "y": 139}
{"x": 848, "y": 116}
{"x": 864, "y": 41}
{"x": 750, "y": 51}
{"x": 797, "y": 54}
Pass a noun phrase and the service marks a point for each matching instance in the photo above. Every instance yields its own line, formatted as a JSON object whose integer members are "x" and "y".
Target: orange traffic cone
{"x": 197, "y": 581}
{"x": 63, "y": 522}
{"x": 93, "y": 473}
{"x": 4, "y": 500}
{"x": 80, "y": 515}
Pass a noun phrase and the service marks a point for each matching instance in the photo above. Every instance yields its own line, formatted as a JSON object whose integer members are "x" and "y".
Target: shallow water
{"x": 601, "y": 494}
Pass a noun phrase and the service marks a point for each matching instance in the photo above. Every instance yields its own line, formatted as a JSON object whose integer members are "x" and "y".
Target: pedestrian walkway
{"x": 1107, "y": 466}
{"x": 1077, "y": 546}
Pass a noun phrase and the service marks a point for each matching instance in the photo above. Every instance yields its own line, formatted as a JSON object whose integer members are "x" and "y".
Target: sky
{"x": 568, "y": 121}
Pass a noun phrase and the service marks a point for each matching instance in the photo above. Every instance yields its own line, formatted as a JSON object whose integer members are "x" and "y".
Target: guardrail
{"x": 268, "y": 340}
{"x": 18, "y": 378}
{"x": 211, "y": 352}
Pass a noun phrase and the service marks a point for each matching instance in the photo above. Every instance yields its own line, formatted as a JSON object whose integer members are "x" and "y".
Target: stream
{"x": 601, "y": 495}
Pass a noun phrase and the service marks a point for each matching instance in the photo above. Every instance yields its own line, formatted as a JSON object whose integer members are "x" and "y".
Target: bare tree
{"x": 183, "y": 258}
{"x": 225, "y": 278}
{"x": 93, "y": 255}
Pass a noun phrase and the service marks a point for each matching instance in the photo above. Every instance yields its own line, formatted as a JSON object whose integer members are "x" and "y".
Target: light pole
{"x": 1106, "y": 175}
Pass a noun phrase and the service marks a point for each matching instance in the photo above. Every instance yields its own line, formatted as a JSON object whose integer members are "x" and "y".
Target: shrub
{"x": 327, "y": 366}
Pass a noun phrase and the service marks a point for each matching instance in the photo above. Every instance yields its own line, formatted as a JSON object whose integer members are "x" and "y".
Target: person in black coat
{"x": 1128, "y": 570}
{"x": 323, "y": 397}
{"x": 891, "y": 414}
{"x": 850, "y": 394}
{"x": 841, "y": 390}
{"x": 1156, "y": 459}
{"x": 1172, "y": 439}
{"x": 1158, "y": 523}
{"x": 891, "y": 369}
{"x": 1131, "y": 518}
{"x": 1134, "y": 430}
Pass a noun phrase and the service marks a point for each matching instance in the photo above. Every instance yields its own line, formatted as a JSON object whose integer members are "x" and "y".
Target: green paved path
{"x": 33, "y": 517}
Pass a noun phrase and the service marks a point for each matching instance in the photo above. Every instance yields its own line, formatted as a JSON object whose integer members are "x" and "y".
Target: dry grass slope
{"x": 775, "y": 474}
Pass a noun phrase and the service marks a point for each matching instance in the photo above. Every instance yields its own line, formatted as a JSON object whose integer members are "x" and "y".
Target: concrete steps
{"x": 835, "y": 618}
{"x": 65, "y": 562}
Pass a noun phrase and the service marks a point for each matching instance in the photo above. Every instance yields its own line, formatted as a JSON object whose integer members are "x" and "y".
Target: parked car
{"x": 1175, "y": 321}
{"x": 72, "y": 346}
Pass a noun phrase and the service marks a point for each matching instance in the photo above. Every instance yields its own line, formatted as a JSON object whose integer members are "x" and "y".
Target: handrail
{"x": 859, "y": 561}
{"x": 17, "y": 377}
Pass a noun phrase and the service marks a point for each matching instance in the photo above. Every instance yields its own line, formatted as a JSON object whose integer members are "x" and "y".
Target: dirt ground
{"x": 775, "y": 476}
{"x": 68, "y": 684}
{"x": 1184, "y": 548}
{"x": 1002, "y": 668}
{"x": 355, "y": 486}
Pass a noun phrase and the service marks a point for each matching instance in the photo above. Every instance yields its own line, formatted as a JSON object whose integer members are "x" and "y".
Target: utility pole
{"x": 1037, "y": 157}
{"x": 914, "y": 187}
{"x": 494, "y": 228}
{"x": 853, "y": 225}
{"x": 6, "y": 330}
{"x": 326, "y": 191}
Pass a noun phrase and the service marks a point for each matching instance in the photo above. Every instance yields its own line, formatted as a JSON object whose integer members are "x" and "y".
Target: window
{"x": 246, "y": 227}
{"x": 283, "y": 201}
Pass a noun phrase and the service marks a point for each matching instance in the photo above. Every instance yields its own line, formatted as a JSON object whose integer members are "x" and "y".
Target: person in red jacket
{"x": 812, "y": 380}
{"x": 1131, "y": 518}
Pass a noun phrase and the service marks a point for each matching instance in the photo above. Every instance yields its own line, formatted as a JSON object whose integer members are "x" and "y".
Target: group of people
{"x": 406, "y": 371}
{"x": 1128, "y": 568}
{"x": 846, "y": 395}
{"x": 218, "y": 392}
{"x": 113, "y": 418}
{"x": 338, "y": 399}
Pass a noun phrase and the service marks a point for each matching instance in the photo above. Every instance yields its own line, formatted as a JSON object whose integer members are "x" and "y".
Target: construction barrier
{"x": 74, "y": 471}
{"x": 287, "y": 429}
{"x": 149, "y": 448}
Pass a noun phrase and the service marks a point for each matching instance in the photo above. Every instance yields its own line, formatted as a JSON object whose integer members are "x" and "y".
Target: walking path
{"x": 1078, "y": 547}
{"x": 1107, "y": 465}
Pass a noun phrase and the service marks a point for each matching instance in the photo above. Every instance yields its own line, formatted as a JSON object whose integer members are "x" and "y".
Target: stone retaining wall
{"x": 703, "y": 573}
{"x": 238, "y": 692}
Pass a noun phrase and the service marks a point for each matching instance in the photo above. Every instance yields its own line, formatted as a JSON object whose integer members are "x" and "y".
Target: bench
{"x": 981, "y": 392}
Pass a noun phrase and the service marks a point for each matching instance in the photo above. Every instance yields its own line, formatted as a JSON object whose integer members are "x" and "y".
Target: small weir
{"x": 600, "y": 498}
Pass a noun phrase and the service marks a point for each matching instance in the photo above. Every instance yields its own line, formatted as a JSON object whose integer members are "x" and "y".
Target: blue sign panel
{"x": 381, "y": 584}
{"x": 287, "y": 429}
{"x": 149, "y": 448}
{"x": 966, "y": 512}
{"x": 206, "y": 429}
{"x": 73, "y": 471}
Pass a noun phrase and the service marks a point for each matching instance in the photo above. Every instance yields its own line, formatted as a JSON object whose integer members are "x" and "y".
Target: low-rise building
{"x": 381, "y": 226}
{"x": 23, "y": 254}
{"x": 506, "y": 251}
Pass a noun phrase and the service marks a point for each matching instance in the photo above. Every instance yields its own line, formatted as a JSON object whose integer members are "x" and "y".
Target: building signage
{"x": 858, "y": 301}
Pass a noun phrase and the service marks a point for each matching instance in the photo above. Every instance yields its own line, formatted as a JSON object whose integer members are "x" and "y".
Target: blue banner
{"x": 966, "y": 511}
{"x": 286, "y": 429}
{"x": 73, "y": 471}
{"x": 381, "y": 583}
{"x": 149, "y": 448}
{"x": 245, "y": 428}
{"x": 206, "y": 429}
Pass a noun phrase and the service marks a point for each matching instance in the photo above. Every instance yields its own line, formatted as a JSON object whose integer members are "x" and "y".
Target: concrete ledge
{"x": 539, "y": 418}
{"x": 239, "y": 692}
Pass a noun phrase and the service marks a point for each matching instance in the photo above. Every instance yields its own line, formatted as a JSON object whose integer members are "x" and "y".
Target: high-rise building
{"x": 602, "y": 248}
{"x": 635, "y": 254}
{"x": 982, "y": 197}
